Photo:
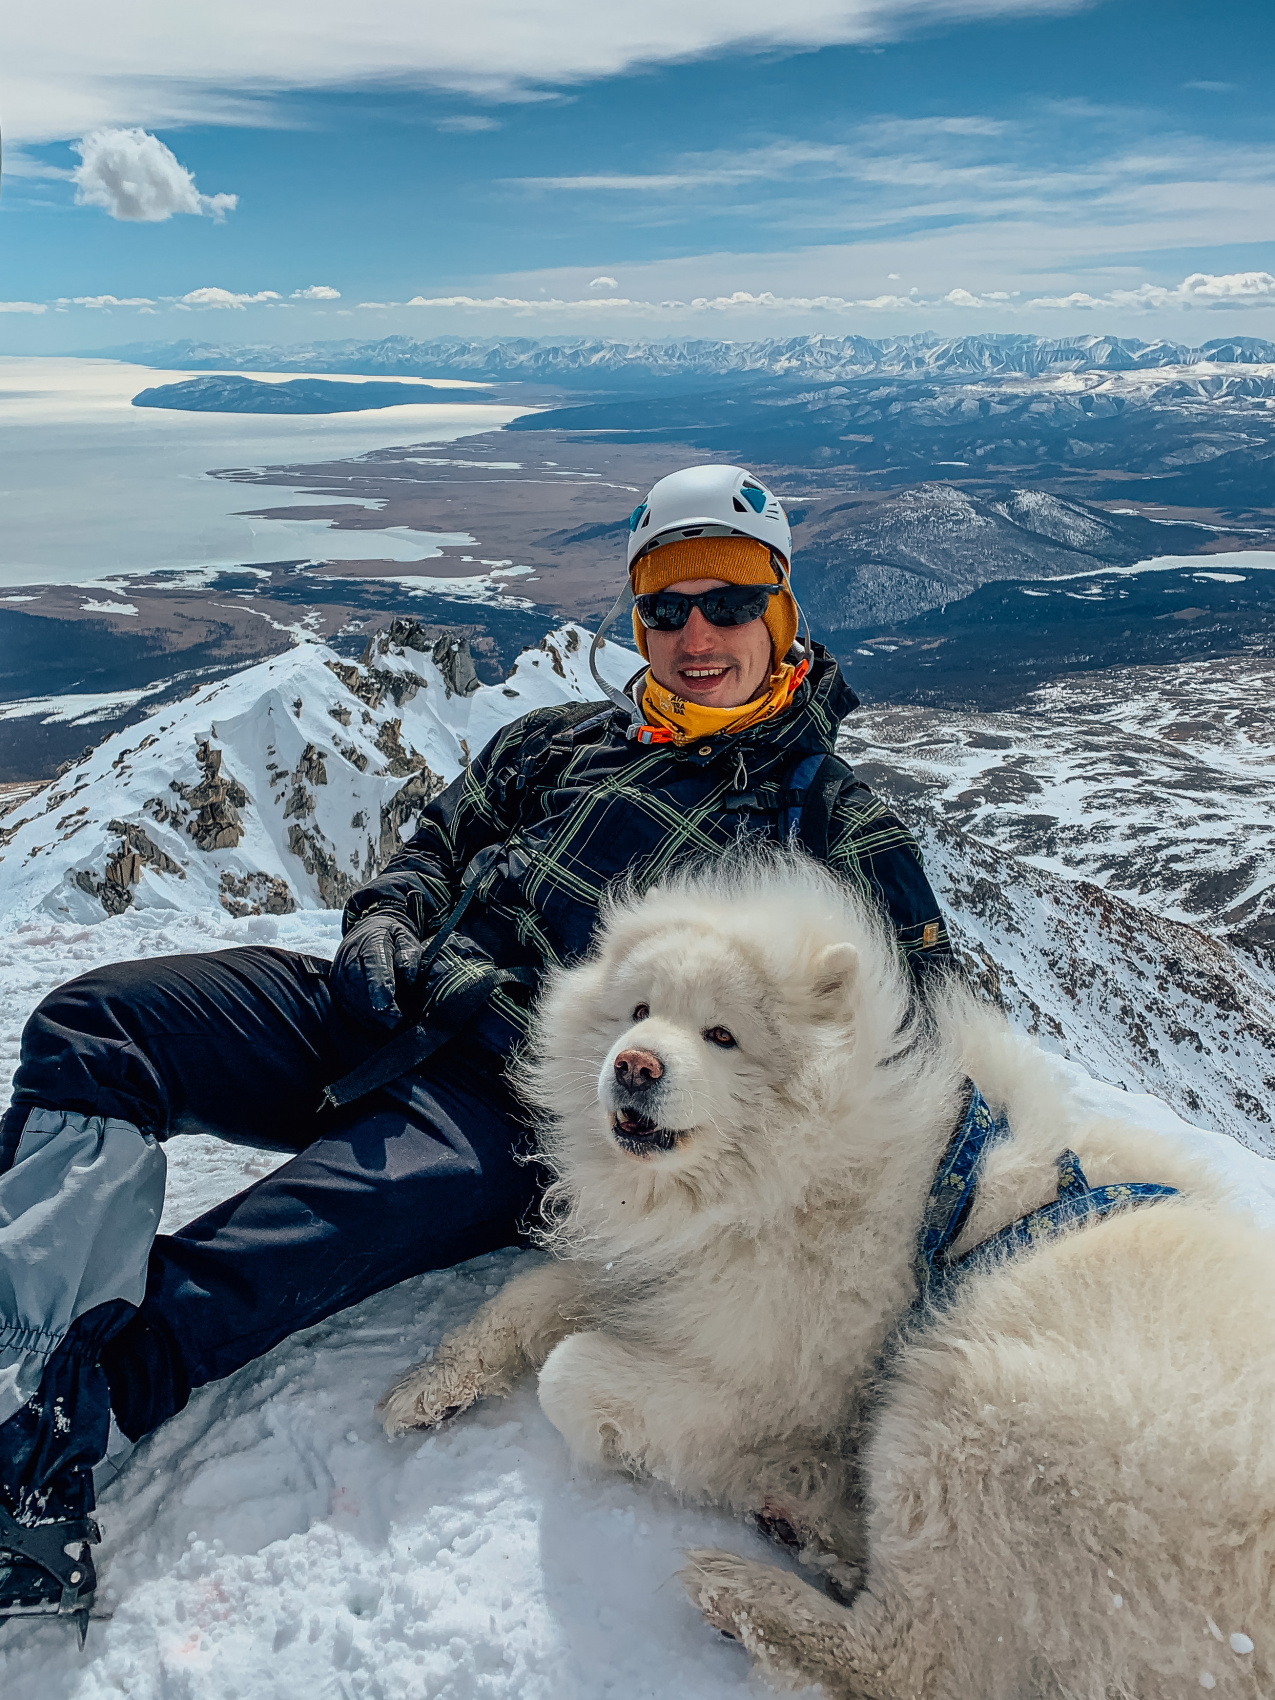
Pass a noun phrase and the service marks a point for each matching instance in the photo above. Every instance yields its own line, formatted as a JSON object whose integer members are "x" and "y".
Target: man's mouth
{"x": 638, "y": 1134}
{"x": 705, "y": 674}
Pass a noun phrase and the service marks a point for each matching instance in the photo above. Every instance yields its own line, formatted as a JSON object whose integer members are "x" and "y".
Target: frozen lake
{"x": 92, "y": 487}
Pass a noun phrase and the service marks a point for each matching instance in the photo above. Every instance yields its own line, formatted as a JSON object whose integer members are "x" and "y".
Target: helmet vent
{"x": 739, "y": 506}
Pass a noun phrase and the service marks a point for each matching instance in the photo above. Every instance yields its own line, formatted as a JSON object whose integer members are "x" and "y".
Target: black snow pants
{"x": 418, "y": 1176}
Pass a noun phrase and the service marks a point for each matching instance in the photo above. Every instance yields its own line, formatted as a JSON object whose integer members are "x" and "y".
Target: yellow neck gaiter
{"x": 672, "y": 720}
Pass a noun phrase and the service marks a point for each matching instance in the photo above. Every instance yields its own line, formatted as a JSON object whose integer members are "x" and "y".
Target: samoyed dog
{"x": 1058, "y": 1480}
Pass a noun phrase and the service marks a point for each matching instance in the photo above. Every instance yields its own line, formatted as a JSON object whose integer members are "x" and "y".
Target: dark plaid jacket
{"x": 574, "y": 814}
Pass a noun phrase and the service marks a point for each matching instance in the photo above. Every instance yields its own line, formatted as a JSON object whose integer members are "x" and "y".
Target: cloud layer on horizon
{"x": 1201, "y": 291}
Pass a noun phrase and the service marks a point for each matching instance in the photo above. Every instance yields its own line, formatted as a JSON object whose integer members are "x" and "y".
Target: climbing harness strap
{"x": 955, "y": 1185}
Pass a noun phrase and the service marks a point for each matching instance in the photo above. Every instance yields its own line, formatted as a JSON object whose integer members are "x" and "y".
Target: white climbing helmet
{"x": 709, "y": 501}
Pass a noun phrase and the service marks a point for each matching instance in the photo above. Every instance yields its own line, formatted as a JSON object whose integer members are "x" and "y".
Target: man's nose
{"x": 697, "y": 633}
{"x": 637, "y": 1070}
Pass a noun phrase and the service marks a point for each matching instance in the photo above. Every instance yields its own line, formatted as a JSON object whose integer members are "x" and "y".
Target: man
{"x": 407, "y": 1161}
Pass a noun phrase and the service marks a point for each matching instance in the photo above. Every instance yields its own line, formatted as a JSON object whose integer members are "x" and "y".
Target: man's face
{"x": 718, "y": 666}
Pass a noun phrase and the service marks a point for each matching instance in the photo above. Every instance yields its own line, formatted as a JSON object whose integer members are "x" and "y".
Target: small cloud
{"x": 892, "y": 277}
{"x": 604, "y": 283}
{"x": 23, "y": 307}
{"x": 317, "y": 292}
{"x": 1210, "y": 88}
{"x": 108, "y": 301}
{"x": 466, "y": 124}
{"x": 134, "y": 177}
{"x": 208, "y": 297}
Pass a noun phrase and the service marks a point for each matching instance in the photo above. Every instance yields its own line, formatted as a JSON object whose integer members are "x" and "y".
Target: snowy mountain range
{"x": 602, "y": 360}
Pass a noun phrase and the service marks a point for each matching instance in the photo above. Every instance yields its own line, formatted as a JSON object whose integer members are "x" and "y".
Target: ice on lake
{"x": 93, "y": 487}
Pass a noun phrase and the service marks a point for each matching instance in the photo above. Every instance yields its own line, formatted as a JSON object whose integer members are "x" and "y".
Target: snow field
{"x": 270, "y": 1544}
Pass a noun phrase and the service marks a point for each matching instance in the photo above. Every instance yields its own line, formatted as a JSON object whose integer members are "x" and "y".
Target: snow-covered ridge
{"x": 826, "y": 356}
{"x": 282, "y": 787}
{"x": 1106, "y": 858}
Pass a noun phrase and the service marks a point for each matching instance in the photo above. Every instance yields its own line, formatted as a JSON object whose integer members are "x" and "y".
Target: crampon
{"x": 47, "y": 1571}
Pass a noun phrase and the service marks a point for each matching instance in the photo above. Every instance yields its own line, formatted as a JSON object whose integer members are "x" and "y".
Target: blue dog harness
{"x": 956, "y": 1182}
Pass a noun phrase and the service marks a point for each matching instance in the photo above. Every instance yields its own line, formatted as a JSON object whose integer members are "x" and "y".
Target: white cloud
{"x": 80, "y": 65}
{"x": 107, "y": 301}
{"x": 466, "y": 124}
{"x": 317, "y": 292}
{"x": 133, "y": 176}
{"x": 1201, "y": 289}
{"x": 1233, "y": 288}
{"x": 208, "y": 297}
{"x": 604, "y": 283}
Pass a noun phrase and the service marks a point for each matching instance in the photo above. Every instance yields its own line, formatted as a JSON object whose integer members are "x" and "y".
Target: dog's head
{"x": 706, "y": 1034}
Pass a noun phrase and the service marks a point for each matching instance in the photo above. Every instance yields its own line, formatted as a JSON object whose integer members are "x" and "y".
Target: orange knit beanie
{"x": 735, "y": 560}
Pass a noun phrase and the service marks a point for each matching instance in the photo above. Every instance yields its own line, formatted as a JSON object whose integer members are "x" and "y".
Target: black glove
{"x": 374, "y": 966}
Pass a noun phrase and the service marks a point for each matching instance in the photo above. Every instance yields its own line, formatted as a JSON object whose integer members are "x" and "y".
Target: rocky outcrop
{"x": 138, "y": 842}
{"x": 135, "y": 852}
{"x": 216, "y": 802}
{"x": 399, "y": 761}
{"x": 373, "y": 684}
{"x": 452, "y": 658}
{"x": 319, "y": 860}
{"x": 403, "y": 808}
{"x": 255, "y": 894}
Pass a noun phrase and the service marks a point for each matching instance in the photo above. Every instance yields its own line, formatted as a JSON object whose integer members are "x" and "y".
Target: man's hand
{"x": 376, "y": 963}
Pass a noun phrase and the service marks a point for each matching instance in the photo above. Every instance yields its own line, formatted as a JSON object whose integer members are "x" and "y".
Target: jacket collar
{"x": 811, "y": 721}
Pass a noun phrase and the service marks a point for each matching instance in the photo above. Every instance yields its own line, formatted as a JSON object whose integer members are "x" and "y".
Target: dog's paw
{"x": 427, "y": 1397}
{"x": 727, "y": 1589}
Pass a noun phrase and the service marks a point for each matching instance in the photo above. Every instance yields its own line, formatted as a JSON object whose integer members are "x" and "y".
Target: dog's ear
{"x": 835, "y": 970}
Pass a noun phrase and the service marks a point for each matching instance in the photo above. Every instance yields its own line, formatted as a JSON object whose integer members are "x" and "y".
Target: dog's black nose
{"x": 638, "y": 1069}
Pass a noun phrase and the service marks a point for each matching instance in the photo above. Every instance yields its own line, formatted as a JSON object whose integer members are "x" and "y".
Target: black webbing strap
{"x": 410, "y": 1048}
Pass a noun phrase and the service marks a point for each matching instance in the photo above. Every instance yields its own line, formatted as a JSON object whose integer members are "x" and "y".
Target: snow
{"x": 269, "y": 1543}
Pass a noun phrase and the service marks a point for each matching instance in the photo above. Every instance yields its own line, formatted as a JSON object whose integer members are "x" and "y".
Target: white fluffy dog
{"x": 1060, "y": 1482}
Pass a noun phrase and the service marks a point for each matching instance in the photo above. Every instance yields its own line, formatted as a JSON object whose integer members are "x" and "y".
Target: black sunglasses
{"x": 732, "y": 605}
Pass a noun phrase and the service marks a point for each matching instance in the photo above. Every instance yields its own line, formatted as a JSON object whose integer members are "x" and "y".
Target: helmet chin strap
{"x": 622, "y": 604}
{"x": 782, "y": 574}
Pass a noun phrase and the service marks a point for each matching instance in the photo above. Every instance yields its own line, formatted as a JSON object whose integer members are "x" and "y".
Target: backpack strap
{"x": 553, "y": 744}
{"x": 809, "y": 796}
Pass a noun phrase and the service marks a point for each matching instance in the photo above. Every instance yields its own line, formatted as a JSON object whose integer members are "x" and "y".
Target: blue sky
{"x": 530, "y": 169}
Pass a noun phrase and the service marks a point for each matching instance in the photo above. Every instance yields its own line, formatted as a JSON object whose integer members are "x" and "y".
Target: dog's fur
{"x": 1060, "y": 1485}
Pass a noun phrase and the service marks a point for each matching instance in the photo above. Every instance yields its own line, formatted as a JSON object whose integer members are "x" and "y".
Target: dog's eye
{"x": 641, "y": 1012}
{"x": 720, "y": 1036}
